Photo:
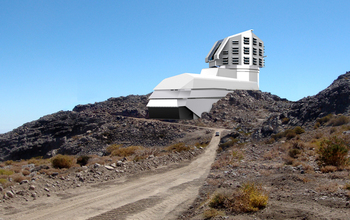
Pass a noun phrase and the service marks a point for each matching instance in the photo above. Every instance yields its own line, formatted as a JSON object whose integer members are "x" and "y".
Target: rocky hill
{"x": 89, "y": 129}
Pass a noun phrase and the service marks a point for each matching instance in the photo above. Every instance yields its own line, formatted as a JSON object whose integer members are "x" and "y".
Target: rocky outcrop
{"x": 263, "y": 114}
{"x": 335, "y": 99}
{"x": 89, "y": 129}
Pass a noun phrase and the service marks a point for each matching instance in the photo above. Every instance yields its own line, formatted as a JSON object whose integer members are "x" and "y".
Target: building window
{"x": 246, "y": 60}
{"x": 254, "y": 51}
{"x": 235, "y": 60}
{"x": 254, "y": 41}
{"x": 225, "y": 52}
{"x": 246, "y": 50}
{"x": 235, "y": 50}
{"x": 260, "y": 44}
{"x": 260, "y": 52}
{"x": 260, "y": 62}
{"x": 235, "y": 42}
{"x": 225, "y": 60}
{"x": 254, "y": 61}
{"x": 246, "y": 40}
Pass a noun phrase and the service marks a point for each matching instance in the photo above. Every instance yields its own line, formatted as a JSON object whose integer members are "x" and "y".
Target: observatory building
{"x": 234, "y": 64}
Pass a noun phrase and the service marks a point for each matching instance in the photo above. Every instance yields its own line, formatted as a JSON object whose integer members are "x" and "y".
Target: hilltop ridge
{"x": 89, "y": 129}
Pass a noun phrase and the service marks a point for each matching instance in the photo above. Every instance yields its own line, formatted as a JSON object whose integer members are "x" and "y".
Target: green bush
{"x": 289, "y": 134}
{"x": 83, "y": 160}
{"x": 333, "y": 152}
{"x": 298, "y": 130}
{"x": 62, "y": 161}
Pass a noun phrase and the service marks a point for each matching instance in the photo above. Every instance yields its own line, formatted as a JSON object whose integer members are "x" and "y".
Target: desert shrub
{"x": 83, "y": 160}
{"x": 249, "y": 198}
{"x": 317, "y": 125}
{"x": 38, "y": 161}
{"x": 219, "y": 200}
{"x": 328, "y": 169}
{"x": 62, "y": 161}
{"x": 6, "y": 172}
{"x": 179, "y": 147}
{"x": 18, "y": 178}
{"x": 341, "y": 120}
{"x": 333, "y": 152}
{"x": 25, "y": 172}
{"x": 285, "y": 120}
{"x": 324, "y": 119}
{"x": 231, "y": 142}
{"x": 113, "y": 147}
{"x": 289, "y": 134}
{"x": 298, "y": 130}
{"x": 210, "y": 213}
{"x": 8, "y": 162}
{"x": 270, "y": 141}
{"x": 125, "y": 151}
{"x": 294, "y": 152}
{"x": 3, "y": 181}
{"x": 278, "y": 135}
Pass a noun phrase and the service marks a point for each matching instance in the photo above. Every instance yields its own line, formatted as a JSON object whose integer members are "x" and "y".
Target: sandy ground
{"x": 160, "y": 194}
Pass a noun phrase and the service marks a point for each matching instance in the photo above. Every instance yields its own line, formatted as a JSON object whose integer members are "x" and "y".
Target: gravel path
{"x": 161, "y": 195}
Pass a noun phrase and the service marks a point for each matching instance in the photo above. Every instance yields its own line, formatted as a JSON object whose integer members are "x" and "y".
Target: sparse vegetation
{"x": 62, "y": 161}
{"x": 250, "y": 198}
{"x": 324, "y": 119}
{"x": 333, "y": 152}
{"x": 6, "y": 172}
{"x": 289, "y": 133}
{"x": 125, "y": 151}
{"x": 211, "y": 213}
{"x": 340, "y": 120}
{"x": 178, "y": 147}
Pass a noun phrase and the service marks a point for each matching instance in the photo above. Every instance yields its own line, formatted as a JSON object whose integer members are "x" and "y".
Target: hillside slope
{"x": 88, "y": 129}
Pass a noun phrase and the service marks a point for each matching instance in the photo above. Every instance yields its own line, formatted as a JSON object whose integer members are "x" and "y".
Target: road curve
{"x": 155, "y": 196}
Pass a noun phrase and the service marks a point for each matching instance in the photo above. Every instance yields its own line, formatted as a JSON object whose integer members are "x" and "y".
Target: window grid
{"x": 246, "y": 60}
{"x": 246, "y": 40}
{"x": 246, "y": 50}
{"x": 235, "y": 60}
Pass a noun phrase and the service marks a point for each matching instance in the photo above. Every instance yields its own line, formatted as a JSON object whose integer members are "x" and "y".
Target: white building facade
{"x": 234, "y": 64}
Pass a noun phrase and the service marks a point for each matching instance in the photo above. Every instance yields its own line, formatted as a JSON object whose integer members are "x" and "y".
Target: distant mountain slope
{"x": 90, "y": 128}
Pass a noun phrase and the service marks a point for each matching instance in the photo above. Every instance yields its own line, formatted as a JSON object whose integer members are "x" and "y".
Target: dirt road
{"x": 158, "y": 195}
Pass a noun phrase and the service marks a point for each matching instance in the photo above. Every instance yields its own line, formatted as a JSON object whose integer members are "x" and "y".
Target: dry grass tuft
{"x": 62, "y": 161}
{"x": 179, "y": 147}
{"x": 249, "y": 198}
{"x": 211, "y": 213}
{"x": 126, "y": 151}
{"x": 328, "y": 169}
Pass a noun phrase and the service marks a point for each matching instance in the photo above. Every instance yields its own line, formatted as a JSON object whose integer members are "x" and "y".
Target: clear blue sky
{"x": 58, "y": 54}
